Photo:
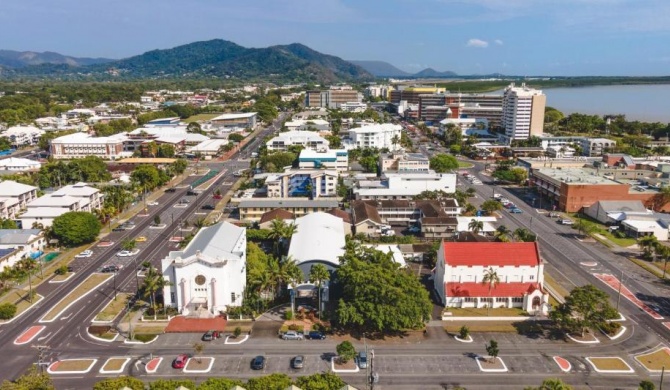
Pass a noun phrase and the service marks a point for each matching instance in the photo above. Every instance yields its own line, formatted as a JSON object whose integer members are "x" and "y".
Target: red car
{"x": 217, "y": 196}
{"x": 180, "y": 361}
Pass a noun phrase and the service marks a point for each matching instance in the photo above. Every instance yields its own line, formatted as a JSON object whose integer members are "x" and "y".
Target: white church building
{"x": 210, "y": 273}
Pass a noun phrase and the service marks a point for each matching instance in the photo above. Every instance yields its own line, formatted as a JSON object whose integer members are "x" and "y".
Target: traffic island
{"x": 655, "y": 361}
{"x": 29, "y": 334}
{"x": 104, "y": 333}
{"x": 337, "y": 366}
{"x": 235, "y": 340}
{"x": 465, "y": 340}
{"x": 112, "y": 309}
{"x": 199, "y": 365}
{"x": 22, "y": 306}
{"x": 588, "y": 338}
{"x": 114, "y": 365}
{"x": 610, "y": 365}
{"x": 159, "y": 226}
{"x": 71, "y": 366}
{"x": 487, "y": 364}
{"x": 563, "y": 364}
{"x": 86, "y": 287}
{"x": 62, "y": 277}
{"x": 152, "y": 366}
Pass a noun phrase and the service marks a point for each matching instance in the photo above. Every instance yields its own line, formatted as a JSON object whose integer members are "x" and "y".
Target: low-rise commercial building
{"x": 251, "y": 210}
{"x": 238, "y": 120}
{"x": 79, "y": 145}
{"x": 405, "y": 185}
{"x": 19, "y": 164}
{"x": 307, "y": 125}
{"x": 400, "y": 162}
{"x": 306, "y": 139}
{"x": 332, "y": 159}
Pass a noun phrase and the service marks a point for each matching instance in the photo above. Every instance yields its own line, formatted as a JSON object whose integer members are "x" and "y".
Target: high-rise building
{"x": 333, "y": 97}
{"x": 523, "y": 112}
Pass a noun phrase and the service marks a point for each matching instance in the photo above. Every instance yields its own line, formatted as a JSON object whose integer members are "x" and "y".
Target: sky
{"x": 514, "y": 37}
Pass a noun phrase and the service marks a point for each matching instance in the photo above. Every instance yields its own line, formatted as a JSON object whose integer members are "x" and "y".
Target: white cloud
{"x": 474, "y": 42}
{"x": 498, "y": 42}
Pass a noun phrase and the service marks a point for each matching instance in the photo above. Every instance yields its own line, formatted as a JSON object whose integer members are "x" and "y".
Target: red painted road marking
{"x": 613, "y": 282}
{"x": 563, "y": 364}
{"x": 176, "y": 239}
{"x": 29, "y": 334}
{"x": 153, "y": 364}
{"x": 105, "y": 244}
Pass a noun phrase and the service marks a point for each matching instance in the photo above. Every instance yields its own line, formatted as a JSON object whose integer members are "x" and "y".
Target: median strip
{"x": 86, "y": 287}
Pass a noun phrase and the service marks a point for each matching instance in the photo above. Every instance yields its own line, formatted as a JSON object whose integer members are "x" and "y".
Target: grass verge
{"x": 144, "y": 337}
{"x": 647, "y": 267}
{"x": 554, "y": 284}
{"x": 609, "y": 363}
{"x": 61, "y": 277}
{"x": 74, "y": 365}
{"x": 488, "y": 326}
{"x": 113, "y": 308}
{"x": 114, "y": 364}
{"x": 655, "y": 361}
{"x": 84, "y": 288}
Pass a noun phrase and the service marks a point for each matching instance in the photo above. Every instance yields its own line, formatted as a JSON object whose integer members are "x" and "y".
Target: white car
{"x": 152, "y": 203}
{"x": 128, "y": 253}
{"x": 86, "y": 253}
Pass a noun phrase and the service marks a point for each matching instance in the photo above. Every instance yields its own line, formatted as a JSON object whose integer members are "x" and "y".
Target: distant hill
{"x": 432, "y": 73}
{"x": 216, "y": 58}
{"x": 20, "y": 59}
{"x": 381, "y": 69}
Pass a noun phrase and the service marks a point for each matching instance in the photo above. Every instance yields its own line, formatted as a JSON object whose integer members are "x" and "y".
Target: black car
{"x": 171, "y": 190}
{"x": 314, "y": 335}
{"x": 258, "y": 363}
{"x": 119, "y": 229}
{"x": 208, "y": 207}
{"x": 192, "y": 193}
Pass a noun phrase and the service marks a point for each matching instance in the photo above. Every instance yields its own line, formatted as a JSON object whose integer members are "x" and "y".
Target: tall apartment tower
{"x": 523, "y": 112}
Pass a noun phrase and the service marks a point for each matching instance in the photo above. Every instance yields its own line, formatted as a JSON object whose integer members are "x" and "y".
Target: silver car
{"x": 292, "y": 335}
{"x": 298, "y": 362}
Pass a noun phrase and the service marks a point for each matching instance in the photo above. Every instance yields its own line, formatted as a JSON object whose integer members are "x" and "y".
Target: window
{"x": 171, "y": 297}
{"x": 531, "y": 277}
{"x": 499, "y": 299}
{"x": 232, "y": 297}
{"x": 517, "y": 299}
{"x": 468, "y": 299}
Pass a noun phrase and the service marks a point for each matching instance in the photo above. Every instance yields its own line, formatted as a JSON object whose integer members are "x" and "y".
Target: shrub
{"x": 345, "y": 351}
{"x": 610, "y": 328}
{"x": 7, "y": 311}
{"x": 288, "y": 315}
{"x": 464, "y": 332}
{"x": 293, "y": 327}
{"x": 237, "y": 332}
{"x": 145, "y": 338}
{"x": 62, "y": 270}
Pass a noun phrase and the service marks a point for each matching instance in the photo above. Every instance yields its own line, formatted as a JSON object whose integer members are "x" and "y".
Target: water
{"x": 647, "y": 103}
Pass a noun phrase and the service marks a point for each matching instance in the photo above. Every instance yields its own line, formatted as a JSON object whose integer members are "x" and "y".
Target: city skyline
{"x": 519, "y": 37}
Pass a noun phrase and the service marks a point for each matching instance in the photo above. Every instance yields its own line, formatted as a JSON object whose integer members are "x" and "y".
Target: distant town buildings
{"x": 333, "y": 97}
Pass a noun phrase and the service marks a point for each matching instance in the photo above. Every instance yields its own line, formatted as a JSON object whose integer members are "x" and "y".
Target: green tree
{"x": 646, "y": 385}
{"x": 31, "y": 380}
{"x": 194, "y": 127}
{"x": 345, "y": 351}
{"x": 492, "y": 279}
{"x": 377, "y": 296}
{"x": 146, "y": 177}
{"x": 128, "y": 244}
{"x": 8, "y": 224}
{"x": 165, "y": 151}
{"x": 276, "y": 381}
{"x": 648, "y": 245}
{"x": 198, "y": 348}
{"x": 119, "y": 383}
{"x": 502, "y": 233}
{"x": 219, "y": 384}
{"x": 75, "y": 228}
{"x": 157, "y": 220}
{"x": 320, "y": 381}
{"x": 236, "y": 137}
{"x": 586, "y": 307}
{"x": 491, "y": 206}
{"x": 492, "y": 349}
{"x": 443, "y": 163}
{"x": 554, "y": 384}
{"x": 171, "y": 384}
{"x": 179, "y": 166}
{"x": 319, "y": 274}
{"x": 475, "y": 226}
{"x": 464, "y": 332}
{"x": 7, "y": 311}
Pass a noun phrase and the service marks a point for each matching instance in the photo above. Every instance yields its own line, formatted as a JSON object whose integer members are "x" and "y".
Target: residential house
{"x": 23, "y": 193}
{"x": 17, "y": 244}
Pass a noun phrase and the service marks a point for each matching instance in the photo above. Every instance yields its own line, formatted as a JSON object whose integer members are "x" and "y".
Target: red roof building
{"x": 462, "y": 269}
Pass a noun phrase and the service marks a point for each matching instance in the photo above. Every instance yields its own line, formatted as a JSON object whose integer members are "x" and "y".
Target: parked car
{"x": 152, "y": 203}
{"x": 86, "y": 253}
{"x": 184, "y": 201}
{"x": 110, "y": 268}
{"x": 516, "y": 210}
{"x": 180, "y": 361}
{"x": 258, "y": 363}
{"x": 209, "y": 335}
{"x": 215, "y": 196}
{"x": 119, "y": 229}
{"x": 172, "y": 189}
{"x": 192, "y": 193}
{"x": 298, "y": 362}
{"x": 141, "y": 239}
{"x": 553, "y": 215}
{"x": 565, "y": 221}
{"x": 292, "y": 335}
{"x": 314, "y": 335}
{"x": 362, "y": 360}
{"x": 128, "y": 253}
{"x": 208, "y": 207}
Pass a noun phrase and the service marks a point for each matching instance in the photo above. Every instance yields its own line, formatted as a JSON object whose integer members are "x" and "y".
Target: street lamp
{"x": 115, "y": 284}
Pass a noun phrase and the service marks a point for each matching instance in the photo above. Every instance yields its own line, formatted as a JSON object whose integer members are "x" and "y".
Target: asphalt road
{"x": 431, "y": 363}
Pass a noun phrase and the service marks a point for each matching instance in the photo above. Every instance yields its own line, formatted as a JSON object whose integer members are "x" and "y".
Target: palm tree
{"x": 648, "y": 244}
{"x": 128, "y": 244}
{"x": 289, "y": 230}
{"x": 475, "y": 226}
{"x": 293, "y": 275}
{"x": 502, "y": 233}
{"x": 319, "y": 274}
{"x": 395, "y": 140}
{"x": 276, "y": 275}
{"x": 277, "y": 228}
{"x": 492, "y": 279}
{"x": 153, "y": 282}
{"x": 199, "y": 223}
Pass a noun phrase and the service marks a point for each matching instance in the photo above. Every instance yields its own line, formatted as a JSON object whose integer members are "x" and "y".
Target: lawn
{"x": 152, "y": 328}
{"x": 114, "y": 364}
{"x": 472, "y": 312}
{"x": 554, "y": 284}
{"x": 84, "y": 288}
{"x": 655, "y": 361}
{"x": 245, "y": 326}
{"x": 464, "y": 164}
{"x": 481, "y": 326}
{"x": 74, "y": 365}
{"x": 113, "y": 308}
{"x": 200, "y": 117}
{"x": 609, "y": 364}
{"x": 623, "y": 242}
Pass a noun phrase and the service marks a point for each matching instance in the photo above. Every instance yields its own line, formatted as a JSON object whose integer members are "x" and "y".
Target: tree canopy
{"x": 378, "y": 296}
{"x": 443, "y": 163}
{"x": 76, "y": 228}
{"x": 586, "y": 307}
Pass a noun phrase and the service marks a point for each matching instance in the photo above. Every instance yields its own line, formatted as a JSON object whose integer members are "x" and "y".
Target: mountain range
{"x": 384, "y": 69}
{"x": 19, "y": 59}
{"x": 211, "y": 59}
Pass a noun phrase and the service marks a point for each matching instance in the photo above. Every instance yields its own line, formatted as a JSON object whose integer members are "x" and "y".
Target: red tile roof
{"x": 472, "y": 289}
{"x": 487, "y": 254}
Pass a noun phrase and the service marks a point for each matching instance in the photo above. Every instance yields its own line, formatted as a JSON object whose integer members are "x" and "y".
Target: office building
{"x": 523, "y": 112}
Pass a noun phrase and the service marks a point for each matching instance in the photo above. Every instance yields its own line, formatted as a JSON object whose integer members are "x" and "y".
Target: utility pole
{"x": 660, "y": 387}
